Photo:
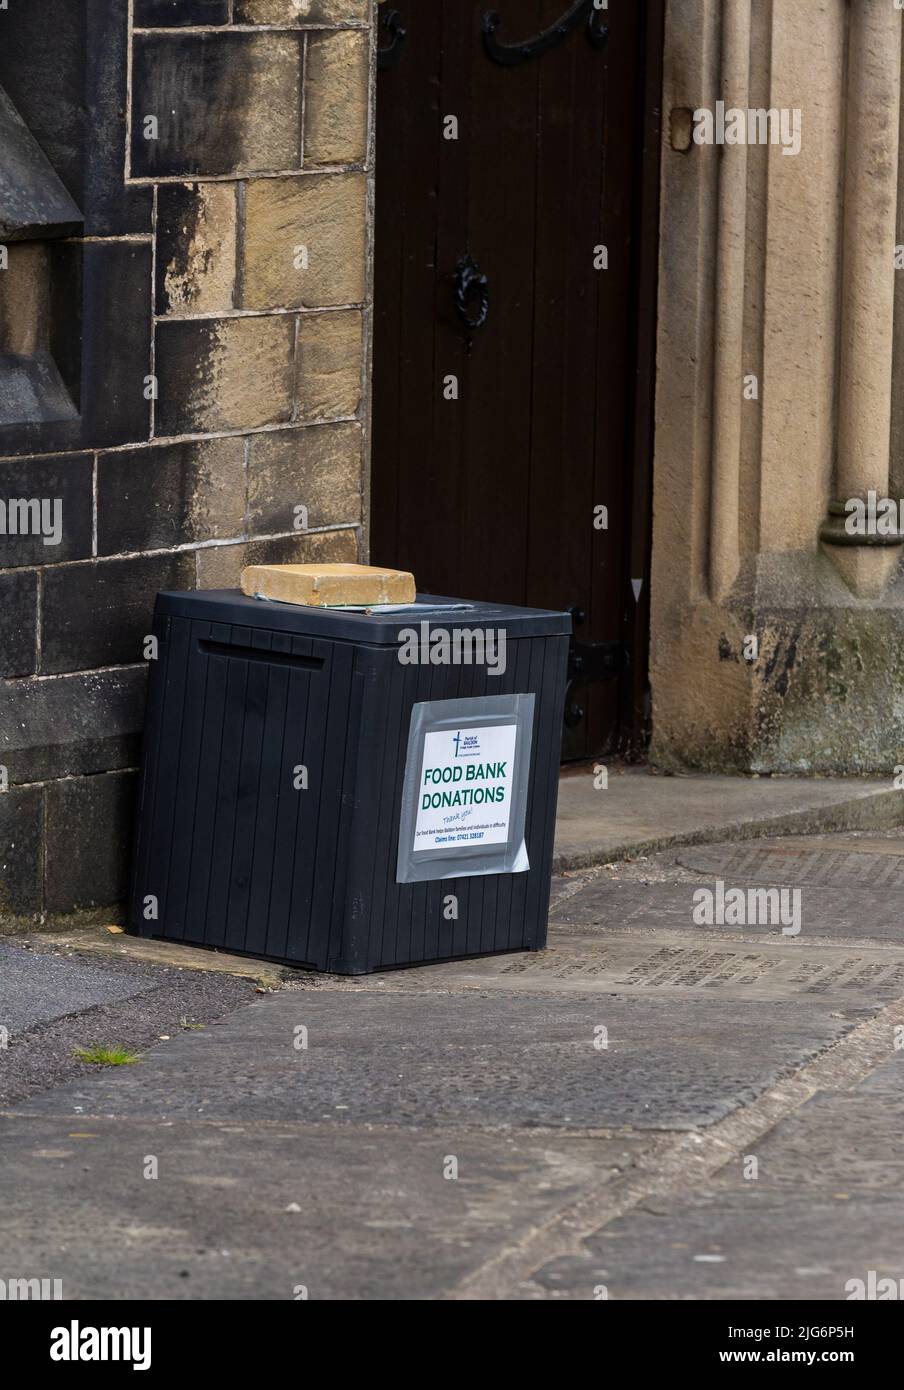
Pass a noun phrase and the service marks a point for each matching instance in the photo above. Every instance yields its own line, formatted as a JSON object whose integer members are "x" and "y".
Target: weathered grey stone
{"x": 18, "y": 622}
{"x": 33, "y": 201}
{"x": 319, "y": 468}
{"x": 220, "y": 567}
{"x": 31, "y": 387}
{"x": 71, "y": 725}
{"x": 88, "y": 842}
{"x": 21, "y": 869}
{"x": 328, "y": 376}
{"x": 32, "y": 391}
{"x": 100, "y": 347}
{"x": 45, "y": 500}
{"x": 196, "y": 235}
{"x": 304, "y": 242}
{"x": 170, "y": 13}
{"x": 97, "y": 613}
{"x": 170, "y": 494}
{"x": 100, "y": 350}
{"x": 336, "y": 94}
{"x": 226, "y": 102}
{"x": 302, "y": 11}
{"x": 25, "y": 298}
{"x": 65, "y": 67}
{"x": 221, "y": 374}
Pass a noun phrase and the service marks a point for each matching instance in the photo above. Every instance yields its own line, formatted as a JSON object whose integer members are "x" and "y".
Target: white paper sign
{"x": 465, "y": 787}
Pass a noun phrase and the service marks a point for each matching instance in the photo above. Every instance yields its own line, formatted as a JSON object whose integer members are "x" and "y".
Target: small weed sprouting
{"x": 109, "y": 1056}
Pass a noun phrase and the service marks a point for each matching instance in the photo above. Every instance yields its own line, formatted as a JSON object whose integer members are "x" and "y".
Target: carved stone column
{"x": 729, "y": 318}
{"x": 867, "y": 308}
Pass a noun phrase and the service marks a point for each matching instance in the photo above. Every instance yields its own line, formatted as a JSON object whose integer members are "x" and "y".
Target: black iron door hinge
{"x": 590, "y": 663}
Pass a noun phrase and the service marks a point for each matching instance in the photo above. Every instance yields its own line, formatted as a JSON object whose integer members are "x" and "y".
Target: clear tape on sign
{"x": 464, "y": 797}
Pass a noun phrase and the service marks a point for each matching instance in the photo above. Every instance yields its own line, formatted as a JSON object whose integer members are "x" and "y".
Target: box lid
{"x": 232, "y": 606}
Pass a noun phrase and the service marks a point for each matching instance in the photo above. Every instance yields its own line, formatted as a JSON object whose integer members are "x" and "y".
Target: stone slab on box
{"x": 329, "y": 585}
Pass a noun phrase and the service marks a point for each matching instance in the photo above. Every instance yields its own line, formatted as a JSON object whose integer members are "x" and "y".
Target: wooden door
{"x": 514, "y": 303}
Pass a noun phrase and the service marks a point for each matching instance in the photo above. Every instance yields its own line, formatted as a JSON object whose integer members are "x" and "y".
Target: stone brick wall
{"x": 211, "y": 324}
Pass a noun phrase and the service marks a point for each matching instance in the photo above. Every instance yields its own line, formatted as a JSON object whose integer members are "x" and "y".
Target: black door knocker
{"x": 472, "y": 296}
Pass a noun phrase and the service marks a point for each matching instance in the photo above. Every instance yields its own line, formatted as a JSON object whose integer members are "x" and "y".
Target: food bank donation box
{"x": 349, "y": 790}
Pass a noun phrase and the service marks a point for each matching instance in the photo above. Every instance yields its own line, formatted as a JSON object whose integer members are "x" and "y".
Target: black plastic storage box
{"x": 349, "y": 791}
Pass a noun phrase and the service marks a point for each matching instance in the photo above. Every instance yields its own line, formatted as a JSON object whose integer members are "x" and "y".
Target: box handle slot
{"x": 239, "y": 652}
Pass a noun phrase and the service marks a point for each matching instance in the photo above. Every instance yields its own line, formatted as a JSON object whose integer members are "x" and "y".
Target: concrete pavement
{"x": 649, "y": 1108}
{"x": 642, "y": 811}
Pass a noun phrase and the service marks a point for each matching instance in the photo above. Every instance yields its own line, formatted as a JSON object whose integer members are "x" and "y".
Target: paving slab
{"x": 117, "y": 946}
{"x": 256, "y": 1212}
{"x": 641, "y": 811}
{"x": 873, "y": 862}
{"x": 825, "y": 1206}
{"x": 496, "y": 1058}
{"x": 833, "y": 913}
{"x": 744, "y": 1246}
{"x": 672, "y": 963}
{"x": 888, "y": 1078}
